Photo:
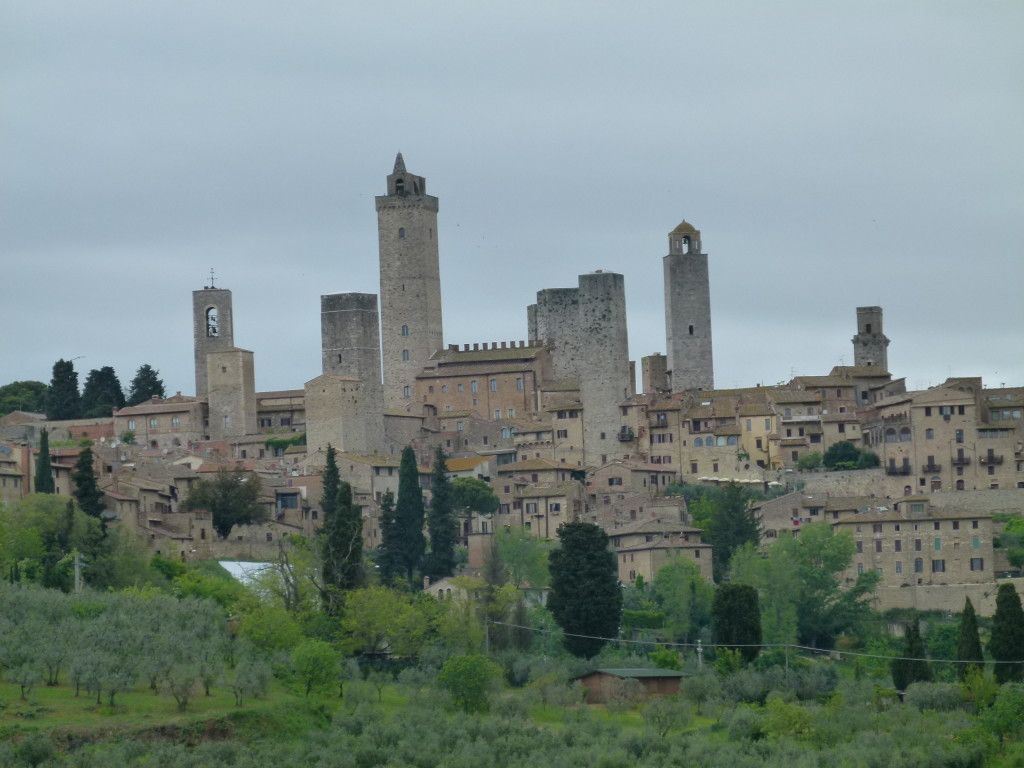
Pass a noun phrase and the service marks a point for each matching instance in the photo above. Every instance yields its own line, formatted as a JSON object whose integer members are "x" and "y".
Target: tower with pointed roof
{"x": 410, "y": 283}
{"x": 688, "y": 311}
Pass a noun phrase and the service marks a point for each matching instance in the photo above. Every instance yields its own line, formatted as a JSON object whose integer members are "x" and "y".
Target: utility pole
{"x": 700, "y": 655}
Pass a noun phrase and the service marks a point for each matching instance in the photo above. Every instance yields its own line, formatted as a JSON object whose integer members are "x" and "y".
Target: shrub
{"x": 939, "y": 697}
{"x": 469, "y": 680}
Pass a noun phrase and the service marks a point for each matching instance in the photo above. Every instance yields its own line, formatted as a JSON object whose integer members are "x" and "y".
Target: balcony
{"x": 891, "y": 470}
{"x": 930, "y": 469}
{"x": 960, "y": 461}
{"x": 990, "y": 459}
{"x": 626, "y": 435}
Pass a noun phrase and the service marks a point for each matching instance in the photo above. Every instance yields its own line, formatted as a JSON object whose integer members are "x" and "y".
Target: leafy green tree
{"x": 1007, "y": 643}
{"x": 843, "y": 452}
{"x": 402, "y": 540}
{"x": 1006, "y": 716}
{"x": 732, "y": 524}
{"x": 378, "y": 619}
{"x": 585, "y": 600}
{"x": 913, "y": 666}
{"x": 314, "y": 665}
{"x": 232, "y": 497}
{"x": 28, "y": 396}
{"x": 87, "y": 490}
{"x": 469, "y": 680}
{"x": 736, "y": 619}
{"x": 968, "y": 646}
{"x": 63, "y": 400}
{"x": 778, "y": 584}
{"x": 471, "y": 494}
{"x": 44, "y": 466}
{"x": 441, "y": 523}
{"x": 685, "y": 596}
{"x": 341, "y": 538}
{"x": 809, "y": 461}
{"x": 524, "y": 557}
{"x": 868, "y": 460}
{"x": 145, "y": 385}
{"x": 102, "y": 393}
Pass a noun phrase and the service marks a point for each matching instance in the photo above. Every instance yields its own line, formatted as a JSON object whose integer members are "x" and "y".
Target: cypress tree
{"x": 62, "y": 399}
{"x": 736, "y": 619}
{"x": 387, "y": 560}
{"x": 441, "y": 523}
{"x": 341, "y": 538}
{"x": 913, "y": 667}
{"x": 87, "y": 491}
{"x": 1007, "y": 644}
{"x": 585, "y": 595}
{"x": 402, "y": 537}
{"x": 44, "y": 482}
{"x": 968, "y": 646}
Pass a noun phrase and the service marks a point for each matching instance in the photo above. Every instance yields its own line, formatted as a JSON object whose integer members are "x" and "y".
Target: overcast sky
{"x": 833, "y": 155}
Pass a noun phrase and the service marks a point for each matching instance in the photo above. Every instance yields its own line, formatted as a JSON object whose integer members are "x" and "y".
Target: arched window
{"x": 890, "y": 435}
{"x": 905, "y": 435}
{"x": 732, "y": 440}
{"x": 407, "y": 391}
{"x": 405, "y": 355}
{"x": 405, "y": 330}
{"x": 720, "y": 440}
{"x": 698, "y": 443}
{"x": 400, "y": 186}
{"x": 212, "y": 323}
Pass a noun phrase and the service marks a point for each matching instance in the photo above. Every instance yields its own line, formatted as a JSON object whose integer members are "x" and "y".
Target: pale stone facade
{"x": 231, "y": 394}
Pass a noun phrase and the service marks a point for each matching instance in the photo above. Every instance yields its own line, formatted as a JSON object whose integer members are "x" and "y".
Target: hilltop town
{"x": 556, "y": 424}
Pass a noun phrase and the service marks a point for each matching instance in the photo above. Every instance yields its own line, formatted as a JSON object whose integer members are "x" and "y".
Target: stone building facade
{"x": 688, "y": 311}
{"x": 212, "y": 328}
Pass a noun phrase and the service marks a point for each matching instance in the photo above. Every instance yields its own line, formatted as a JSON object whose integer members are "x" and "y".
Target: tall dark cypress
{"x": 62, "y": 399}
{"x": 913, "y": 667}
{"x": 968, "y": 645}
{"x": 102, "y": 393}
{"x": 442, "y": 526}
{"x": 87, "y": 491}
{"x": 44, "y": 467}
{"x": 1007, "y": 644}
{"x": 341, "y": 538}
{"x": 403, "y": 539}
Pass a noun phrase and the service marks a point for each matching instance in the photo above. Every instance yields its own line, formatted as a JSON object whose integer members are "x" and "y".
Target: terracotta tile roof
{"x": 281, "y": 394}
{"x": 530, "y": 465}
{"x": 450, "y": 356}
{"x": 860, "y": 371}
{"x": 796, "y": 396}
{"x": 560, "y": 385}
{"x": 464, "y": 465}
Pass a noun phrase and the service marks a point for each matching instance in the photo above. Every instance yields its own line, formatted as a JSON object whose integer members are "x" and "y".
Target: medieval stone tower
{"x": 688, "y": 311}
{"x": 586, "y": 330}
{"x": 345, "y": 406}
{"x": 410, "y": 282}
{"x": 212, "y": 329}
{"x": 231, "y": 393}
{"x": 869, "y": 345}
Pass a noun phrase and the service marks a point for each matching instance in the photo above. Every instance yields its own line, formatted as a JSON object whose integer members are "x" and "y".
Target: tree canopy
{"x": 231, "y": 497}
{"x": 732, "y": 524}
{"x": 87, "y": 491}
{"x": 63, "y": 400}
{"x": 29, "y": 396}
{"x": 585, "y": 600}
{"x": 401, "y": 527}
{"x": 1007, "y": 643}
{"x": 44, "y": 482}
{"x": 472, "y": 494}
{"x": 968, "y": 646}
{"x": 441, "y": 523}
{"x": 102, "y": 393}
{"x": 341, "y": 537}
{"x": 146, "y": 383}
{"x": 736, "y": 619}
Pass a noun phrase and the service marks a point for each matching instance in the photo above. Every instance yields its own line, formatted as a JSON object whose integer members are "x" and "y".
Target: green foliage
{"x": 232, "y": 497}
{"x": 868, "y": 460}
{"x": 1006, "y": 716}
{"x": 809, "y": 461}
{"x": 585, "y": 596}
{"x": 145, "y": 385}
{"x": 912, "y": 666}
{"x": 102, "y": 393}
{"x": 469, "y": 680}
{"x": 378, "y": 619}
{"x": 340, "y": 540}
{"x": 736, "y": 619}
{"x": 524, "y": 557}
{"x": 472, "y": 494}
{"x": 128, "y": 437}
{"x": 282, "y": 444}
{"x": 666, "y": 658}
{"x": 442, "y": 526}
{"x": 1007, "y": 643}
{"x": 44, "y": 481}
{"x": 841, "y": 452}
{"x": 313, "y": 665}
{"x": 684, "y": 596}
{"x": 968, "y": 646}
{"x": 87, "y": 491}
{"x": 28, "y": 396}
{"x": 401, "y": 525}
{"x": 63, "y": 400}
{"x": 732, "y": 524}
{"x": 941, "y": 640}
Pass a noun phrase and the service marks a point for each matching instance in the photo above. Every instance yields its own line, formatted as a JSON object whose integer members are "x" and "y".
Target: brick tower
{"x": 410, "y": 283}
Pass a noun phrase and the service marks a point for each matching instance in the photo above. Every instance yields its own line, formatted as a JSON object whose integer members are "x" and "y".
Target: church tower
{"x": 688, "y": 311}
{"x": 410, "y": 283}
{"x": 212, "y": 329}
{"x": 869, "y": 345}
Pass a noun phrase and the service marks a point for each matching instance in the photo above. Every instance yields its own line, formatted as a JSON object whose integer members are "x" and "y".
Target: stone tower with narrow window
{"x": 212, "y": 329}
{"x": 870, "y": 344}
{"x": 410, "y": 283}
{"x": 688, "y": 311}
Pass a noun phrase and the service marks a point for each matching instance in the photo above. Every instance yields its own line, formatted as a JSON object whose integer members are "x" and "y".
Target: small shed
{"x": 655, "y": 682}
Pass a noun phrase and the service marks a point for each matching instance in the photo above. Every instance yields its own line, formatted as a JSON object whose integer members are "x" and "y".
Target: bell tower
{"x": 410, "y": 283}
{"x": 688, "y": 311}
{"x": 870, "y": 345}
{"x": 212, "y": 329}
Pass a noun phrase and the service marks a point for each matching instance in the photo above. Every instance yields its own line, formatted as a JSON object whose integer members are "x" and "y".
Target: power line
{"x": 785, "y": 646}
